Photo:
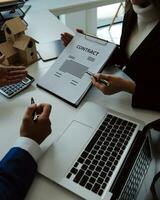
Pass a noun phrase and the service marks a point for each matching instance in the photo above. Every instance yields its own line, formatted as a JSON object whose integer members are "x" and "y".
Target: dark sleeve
{"x": 147, "y": 96}
{"x": 17, "y": 170}
{"x": 119, "y": 56}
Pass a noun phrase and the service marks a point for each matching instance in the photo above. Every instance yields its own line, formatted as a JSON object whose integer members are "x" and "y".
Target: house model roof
{"x": 16, "y": 25}
{"x": 7, "y": 49}
{"x": 22, "y": 42}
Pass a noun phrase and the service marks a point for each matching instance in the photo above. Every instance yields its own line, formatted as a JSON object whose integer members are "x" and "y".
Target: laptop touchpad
{"x": 61, "y": 155}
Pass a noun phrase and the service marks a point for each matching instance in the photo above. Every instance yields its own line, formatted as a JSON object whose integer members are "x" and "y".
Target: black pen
{"x": 106, "y": 83}
{"x": 34, "y": 115}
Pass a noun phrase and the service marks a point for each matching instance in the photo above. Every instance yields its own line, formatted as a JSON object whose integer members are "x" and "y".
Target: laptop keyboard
{"x": 137, "y": 174}
{"x": 94, "y": 167}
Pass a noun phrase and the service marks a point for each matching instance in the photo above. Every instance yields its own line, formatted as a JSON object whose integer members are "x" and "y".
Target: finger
{"x": 66, "y": 40}
{"x": 94, "y": 80}
{"x": 15, "y": 68}
{"x": 18, "y": 76}
{"x": 17, "y": 72}
{"x": 3, "y": 83}
{"x": 62, "y": 35}
{"x": 29, "y": 113}
{"x": 10, "y": 82}
{"x": 3, "y": 70}
{"x": 44, "y": 110}
{"x": 80, "y": 30}
{"x": 100, "y": 86}
{"x": 102, "y": 76}
{"x": 68, "y": 35}
{"x": 2, "y": 58}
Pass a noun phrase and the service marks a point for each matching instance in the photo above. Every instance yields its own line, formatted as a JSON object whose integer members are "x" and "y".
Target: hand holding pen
{"x": 110, "y": 84}
{"x": 42, "y": 128}
{"x": 103, "y": 81}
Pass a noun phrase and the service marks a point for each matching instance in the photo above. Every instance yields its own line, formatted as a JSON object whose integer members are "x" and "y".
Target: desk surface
{"x": 45, "y": 27}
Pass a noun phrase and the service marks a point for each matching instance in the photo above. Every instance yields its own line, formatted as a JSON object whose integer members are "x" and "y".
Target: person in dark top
{"x": 138, "y": 55}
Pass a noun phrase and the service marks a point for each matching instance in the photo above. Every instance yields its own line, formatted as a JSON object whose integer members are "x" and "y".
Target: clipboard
{"x": 96, "y": 39}
{"x": 67, "y": 78}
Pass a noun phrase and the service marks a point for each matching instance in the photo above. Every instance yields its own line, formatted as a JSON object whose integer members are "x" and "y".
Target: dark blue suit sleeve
{"x": 17, "y": 170}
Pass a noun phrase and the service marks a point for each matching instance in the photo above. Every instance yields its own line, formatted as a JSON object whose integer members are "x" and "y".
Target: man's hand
{"x": 36, "y": 130}
{"x": 116, "y": 84}
{"x": 11, "y": 74}
{"x": 67, "y": 37}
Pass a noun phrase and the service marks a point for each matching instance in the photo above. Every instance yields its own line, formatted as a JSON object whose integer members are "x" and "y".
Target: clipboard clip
{"x": 96, "y": 39}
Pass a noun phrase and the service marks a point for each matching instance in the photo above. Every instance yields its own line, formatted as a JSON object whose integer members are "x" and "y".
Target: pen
{"x": 34, "y": 115}
{"x": 106, "y": 83}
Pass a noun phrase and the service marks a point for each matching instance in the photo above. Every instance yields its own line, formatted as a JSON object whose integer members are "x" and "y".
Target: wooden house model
{"x": 10, "y": 53}
{"x": 19, "y": 48}
{"x": 14, "y": 28}
{"x": 26, "y": 48}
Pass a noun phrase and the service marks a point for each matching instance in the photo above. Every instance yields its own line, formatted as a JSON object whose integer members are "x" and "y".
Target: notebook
{"x": 67, "y": 77}
{"x": 51, "y": 50}
{"x": 89, "y": 156}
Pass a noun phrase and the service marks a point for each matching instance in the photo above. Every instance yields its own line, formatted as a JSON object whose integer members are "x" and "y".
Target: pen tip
{"x": 32, "y": 100}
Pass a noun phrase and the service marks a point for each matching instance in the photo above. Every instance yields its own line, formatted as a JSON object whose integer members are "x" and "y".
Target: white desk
{"x": 79, "y": 13}
{"x": 11, "y": 111}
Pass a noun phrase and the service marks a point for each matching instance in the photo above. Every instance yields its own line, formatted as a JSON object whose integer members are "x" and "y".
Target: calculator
{"x": 11, "y": 90}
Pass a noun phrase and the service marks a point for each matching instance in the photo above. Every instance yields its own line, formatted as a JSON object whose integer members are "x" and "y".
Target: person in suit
{"x": 138, "y": 55}
{"x": 19, "y": 166}
{"x": 11, "y": 74}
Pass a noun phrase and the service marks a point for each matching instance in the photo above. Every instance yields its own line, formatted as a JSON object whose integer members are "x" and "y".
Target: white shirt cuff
{"x": 30, "y": 146}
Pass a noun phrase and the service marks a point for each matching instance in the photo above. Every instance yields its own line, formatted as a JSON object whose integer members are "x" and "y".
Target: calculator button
{"x": 10, "y": 92}
{"x": 21, "y": 85}
{"x": 3, "y": 89}
{"x": 26, "y": 80}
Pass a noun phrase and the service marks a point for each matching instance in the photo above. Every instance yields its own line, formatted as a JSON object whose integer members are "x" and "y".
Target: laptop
{"x": 90, "y": 157}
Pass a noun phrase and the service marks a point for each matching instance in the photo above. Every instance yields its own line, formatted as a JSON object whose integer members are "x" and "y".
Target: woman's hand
{"x": 67, "y": 37}
{"x": 116, "y": 84}
{"x": 11, "y": 74}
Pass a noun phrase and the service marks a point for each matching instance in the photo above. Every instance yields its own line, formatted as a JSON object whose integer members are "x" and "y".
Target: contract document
{"x": 67, "y": 77}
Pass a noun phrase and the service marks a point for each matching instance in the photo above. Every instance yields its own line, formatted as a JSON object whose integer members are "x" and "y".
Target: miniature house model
{"x": 18, "y": 48}
{"x": 14, "y": 28}
{"x": 10, "y": 53}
